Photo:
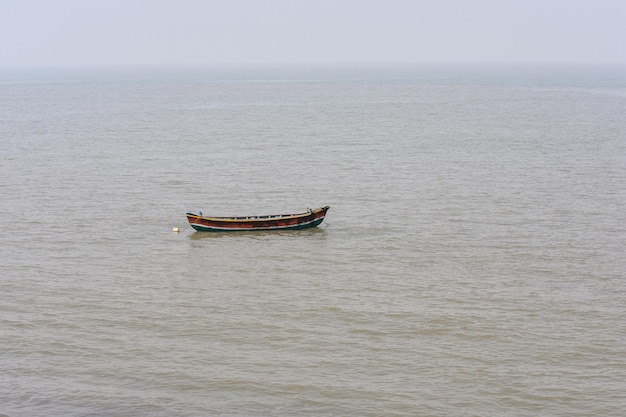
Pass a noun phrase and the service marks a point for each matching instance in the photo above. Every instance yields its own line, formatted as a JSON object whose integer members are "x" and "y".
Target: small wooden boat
{"x": 311, "y": 218}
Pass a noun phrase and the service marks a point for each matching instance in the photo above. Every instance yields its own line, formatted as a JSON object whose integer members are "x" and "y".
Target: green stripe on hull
{"x": 200, "y": 228}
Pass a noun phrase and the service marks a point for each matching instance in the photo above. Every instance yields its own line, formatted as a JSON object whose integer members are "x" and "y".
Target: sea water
{"x": 473, "y": 260}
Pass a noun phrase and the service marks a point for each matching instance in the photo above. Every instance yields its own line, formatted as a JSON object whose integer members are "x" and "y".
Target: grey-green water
{"x": 472, "y": 263}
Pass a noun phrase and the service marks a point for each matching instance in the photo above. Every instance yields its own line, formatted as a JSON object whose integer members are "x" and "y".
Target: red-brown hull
{"x": 311, "y": 218}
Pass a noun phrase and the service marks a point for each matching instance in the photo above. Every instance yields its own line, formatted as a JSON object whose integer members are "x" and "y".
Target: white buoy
{"x": 175, "y": 230}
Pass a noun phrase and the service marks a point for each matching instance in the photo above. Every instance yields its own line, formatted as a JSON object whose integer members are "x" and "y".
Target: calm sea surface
{"x": 473, "y": 261}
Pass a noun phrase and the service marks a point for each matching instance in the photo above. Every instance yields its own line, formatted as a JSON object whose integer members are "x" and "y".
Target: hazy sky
{"x": 211, "y": 32}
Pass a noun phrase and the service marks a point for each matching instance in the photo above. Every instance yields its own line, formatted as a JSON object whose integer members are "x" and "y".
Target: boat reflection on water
{"x": 316, "y": 231}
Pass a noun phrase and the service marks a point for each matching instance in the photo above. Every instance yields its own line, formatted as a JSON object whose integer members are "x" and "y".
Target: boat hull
{"x": 312, "y": 218}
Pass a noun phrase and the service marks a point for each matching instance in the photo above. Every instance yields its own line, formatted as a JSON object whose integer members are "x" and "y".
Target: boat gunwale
{"x": 263, "y": 218}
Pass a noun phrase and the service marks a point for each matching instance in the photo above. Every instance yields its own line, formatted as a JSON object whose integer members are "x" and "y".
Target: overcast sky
{"x": 270, "y": 32}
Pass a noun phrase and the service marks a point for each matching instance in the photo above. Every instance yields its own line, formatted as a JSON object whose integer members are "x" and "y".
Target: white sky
{"x": 270, "y": 32}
